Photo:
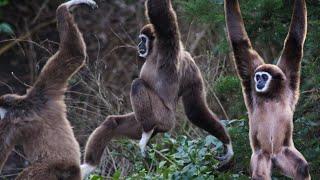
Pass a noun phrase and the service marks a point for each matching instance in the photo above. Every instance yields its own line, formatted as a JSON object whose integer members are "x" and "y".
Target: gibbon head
{"x": 269, "y": 79}
{"x": 146, "y": 40}
{"x": 13, "y": 106}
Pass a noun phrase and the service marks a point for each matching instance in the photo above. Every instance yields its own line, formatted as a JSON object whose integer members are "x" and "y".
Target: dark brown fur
{"x": 168, "y": 73}
{"x": 271, "y": 112}
{"x": 37, "y": 120}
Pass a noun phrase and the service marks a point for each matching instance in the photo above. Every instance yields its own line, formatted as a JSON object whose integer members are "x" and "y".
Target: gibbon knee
{"x": 137, "y": 86}
{"x": 98, "y": 141}
{"x": 303, "y": 170}
{"x": 67, "y": 172}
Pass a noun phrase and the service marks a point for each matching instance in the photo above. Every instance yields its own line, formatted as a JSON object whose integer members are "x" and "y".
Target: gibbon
{"x": 271, "y": 93}
{"x": 169, "y": 72}
{"x": 37, "y": 120}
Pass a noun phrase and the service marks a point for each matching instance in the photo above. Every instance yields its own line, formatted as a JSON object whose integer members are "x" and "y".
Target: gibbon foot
{"x": 71, "y": 4}
{"x": 144, "y": 141}
{"x": 86, "y": 169}
{"x": 2, "y": 113}
{"x": 227, "y": 157}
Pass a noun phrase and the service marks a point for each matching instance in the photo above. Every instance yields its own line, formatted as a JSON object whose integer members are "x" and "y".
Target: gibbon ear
{"x": 3, "y": 113}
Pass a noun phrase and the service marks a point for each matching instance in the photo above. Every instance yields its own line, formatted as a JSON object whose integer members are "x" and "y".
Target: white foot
{"x": 3, "y": 113}
{"x": 144, "y": 141}
{"x": 227, "y": 157}
{"x": 86, "y": 170}
{"x": 72, "y": 3}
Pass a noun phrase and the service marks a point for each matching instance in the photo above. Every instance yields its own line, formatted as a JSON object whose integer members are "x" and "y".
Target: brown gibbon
{"x": 271, "y": 93}
{"x": 37, "y": 120}
{"x": 168, "y": 73}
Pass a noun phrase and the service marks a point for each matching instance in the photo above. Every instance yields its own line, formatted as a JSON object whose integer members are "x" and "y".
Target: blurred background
{"x": 28, "y": 37}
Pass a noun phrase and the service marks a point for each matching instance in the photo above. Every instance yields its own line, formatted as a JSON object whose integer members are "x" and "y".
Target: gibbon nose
{"x": 260, "y": 85}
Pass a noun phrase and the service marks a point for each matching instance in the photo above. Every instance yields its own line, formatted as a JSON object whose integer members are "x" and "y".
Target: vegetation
{"x": 102, "y": 88}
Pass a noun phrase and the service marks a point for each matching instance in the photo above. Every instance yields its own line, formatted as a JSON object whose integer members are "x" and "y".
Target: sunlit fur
{"x": 271, "y": 110}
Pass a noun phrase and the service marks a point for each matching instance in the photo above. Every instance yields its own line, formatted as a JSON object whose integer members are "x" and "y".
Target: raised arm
{"x": 70, "y": 57}
{"x": 246, "y": 58}
{"x": 163, "y": 17}
{"x": 290, "y": 60}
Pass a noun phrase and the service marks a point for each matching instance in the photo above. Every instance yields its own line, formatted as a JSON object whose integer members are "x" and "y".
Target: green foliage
{"x": 4, "y": 2}
{"x": 194, "y": 158}
{"x": 228, "y": 89}
{"x": 203, "y": 10}
{"x": 5, "y": 28}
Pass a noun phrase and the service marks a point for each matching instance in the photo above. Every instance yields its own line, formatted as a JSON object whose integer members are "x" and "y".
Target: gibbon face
{"x": 143, "y": 46}
{"x": 146, "y": 38}
{"x": 269, "y": 79}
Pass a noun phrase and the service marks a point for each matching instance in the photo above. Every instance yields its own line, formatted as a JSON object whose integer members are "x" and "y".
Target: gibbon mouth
{"x": 142, "y": 51}
{"x": 260, "y": 86}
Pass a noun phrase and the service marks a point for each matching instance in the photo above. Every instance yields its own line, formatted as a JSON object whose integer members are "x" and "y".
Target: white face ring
{"x": 266, "y": 86}
{"x": 3, "y": 113}
{"x": 144, "y": 55}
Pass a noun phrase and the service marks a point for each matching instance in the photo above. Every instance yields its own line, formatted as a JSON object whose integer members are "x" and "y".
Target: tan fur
{"x": 37, "y": 120}
{"x": 271, "y": 112}
{"x": 169, "y": 72}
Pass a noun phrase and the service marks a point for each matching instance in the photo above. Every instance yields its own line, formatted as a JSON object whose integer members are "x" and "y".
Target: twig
{"x": 25, "y": 36}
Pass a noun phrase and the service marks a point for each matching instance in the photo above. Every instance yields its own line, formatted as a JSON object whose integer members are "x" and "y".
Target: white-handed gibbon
{"x": 271, "y": 93}
{"x": 37, "y": 120}
{"x": 169, "y": 72}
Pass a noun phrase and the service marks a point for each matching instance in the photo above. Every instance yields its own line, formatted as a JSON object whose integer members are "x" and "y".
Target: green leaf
{"x": 4, "y": 2}
{"x": 5, "y": 28}
{"x": 116, "y": 175}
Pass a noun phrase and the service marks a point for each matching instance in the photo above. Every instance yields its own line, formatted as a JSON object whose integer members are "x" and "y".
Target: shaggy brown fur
{"x": 37, "y": 120}
{"x": 271, "y": 112}
{"x": 168, "y": 73}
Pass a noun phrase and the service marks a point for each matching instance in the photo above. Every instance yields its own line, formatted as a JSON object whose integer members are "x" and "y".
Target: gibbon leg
{"x": 72, "y": 53}
{"x": 39, "y": 171}
{"x": 261, "y": 166}
{"x": 200, "y": 115}
{"x": 292, "y": 163}
{"x": 113, "y": 126}
{"x": 150, "y": 111}
{"x": 146, "y": 136}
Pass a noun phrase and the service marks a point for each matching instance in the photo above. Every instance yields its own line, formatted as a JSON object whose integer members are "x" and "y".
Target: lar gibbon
{"x": 37, "y": 120}
{"x": 169, "y": 72}
{"x": 271, "y": 93}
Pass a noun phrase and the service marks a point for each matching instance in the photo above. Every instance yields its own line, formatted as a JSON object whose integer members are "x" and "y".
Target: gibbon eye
{"x": 265, "y": 77}
{"x": 258, "y": 77}
{"x": 143, "y": 39}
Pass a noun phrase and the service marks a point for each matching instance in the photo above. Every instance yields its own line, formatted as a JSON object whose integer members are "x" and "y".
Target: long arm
{"x": 53, "y": 78}
{"x": 290, "y": 60}
{"x": 246, "y": 58}
{"x": 164, "y": 20}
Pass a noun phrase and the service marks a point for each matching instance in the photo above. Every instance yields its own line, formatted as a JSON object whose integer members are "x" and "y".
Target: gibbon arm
{"x": 164, "y": 19}
{"x": 53, "y": 79}
{"x": 246, "y": 58}
{"x": 290, "y": 60}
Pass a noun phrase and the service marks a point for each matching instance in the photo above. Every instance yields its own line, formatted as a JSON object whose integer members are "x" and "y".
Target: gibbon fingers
{"x": 37, "y": 120}
{"x": 271, "y": 93}
{"x": 169, "y": 72}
